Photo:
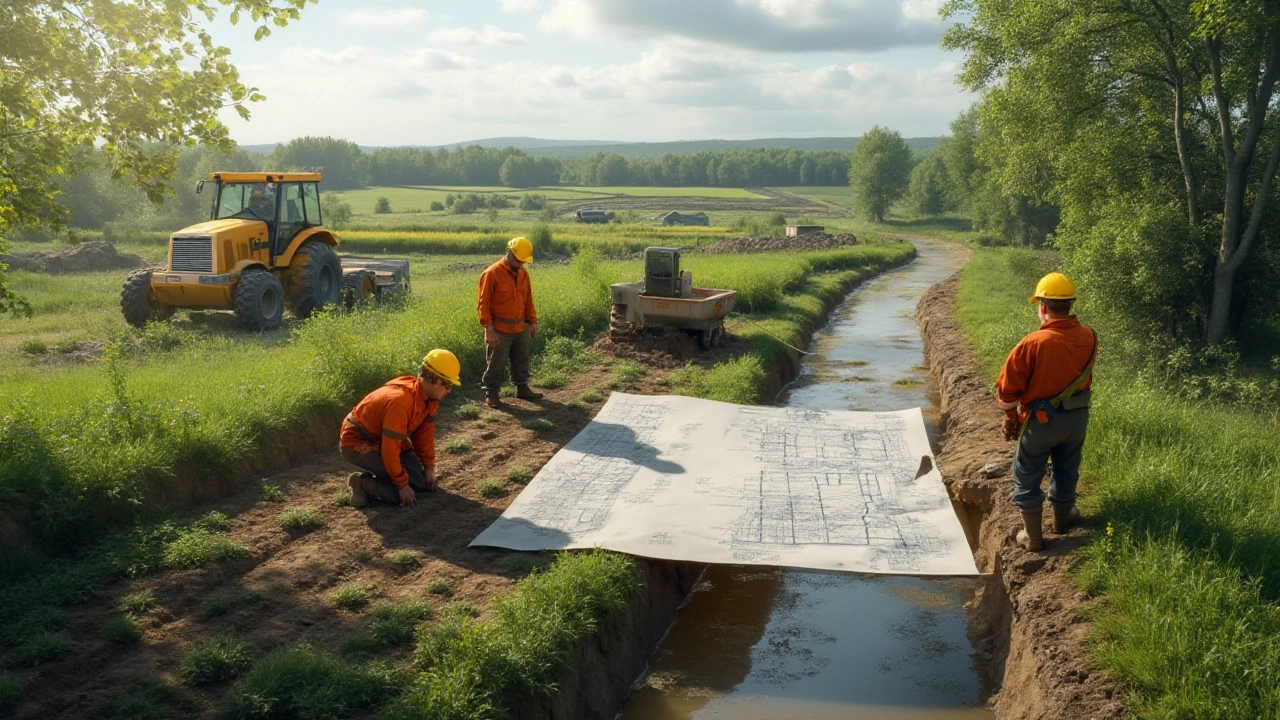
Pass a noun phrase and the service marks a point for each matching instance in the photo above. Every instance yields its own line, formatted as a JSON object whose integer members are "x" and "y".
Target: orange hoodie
{"x": 396, "y": 417}
{"x": 505, "y": 298}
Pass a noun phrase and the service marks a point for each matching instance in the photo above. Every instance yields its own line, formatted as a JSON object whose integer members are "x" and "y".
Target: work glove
{"x": 1009, "y": 429}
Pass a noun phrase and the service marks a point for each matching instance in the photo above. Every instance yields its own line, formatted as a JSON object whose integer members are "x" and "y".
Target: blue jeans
{"x": 1061, "y": 440}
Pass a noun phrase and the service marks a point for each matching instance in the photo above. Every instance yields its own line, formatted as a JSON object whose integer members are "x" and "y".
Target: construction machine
{"x": 263, "y": 247}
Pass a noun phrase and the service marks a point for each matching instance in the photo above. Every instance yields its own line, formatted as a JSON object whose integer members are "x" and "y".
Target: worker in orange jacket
{"x": 504, "y": 302}
{"x": 1044, "y": 389}
{"x": 391, "y": 434}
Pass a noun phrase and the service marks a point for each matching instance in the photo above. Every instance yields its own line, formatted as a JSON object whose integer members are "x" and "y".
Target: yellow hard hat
{"x": 443, "y": 364}
{"x": 1054, "y": 286}
{"x": 521, "y": 248}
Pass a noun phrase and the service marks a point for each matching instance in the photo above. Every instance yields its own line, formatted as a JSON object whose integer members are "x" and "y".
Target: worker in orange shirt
{"x": 505, "y": 304}
{"x": 391, "y": 434}
{"x": 1044, "y": 390}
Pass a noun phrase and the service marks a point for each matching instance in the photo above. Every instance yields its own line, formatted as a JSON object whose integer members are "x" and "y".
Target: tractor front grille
{"x": 191, "y": 254}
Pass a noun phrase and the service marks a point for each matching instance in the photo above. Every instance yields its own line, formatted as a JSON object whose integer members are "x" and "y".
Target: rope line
{"x": 766, "y": 332}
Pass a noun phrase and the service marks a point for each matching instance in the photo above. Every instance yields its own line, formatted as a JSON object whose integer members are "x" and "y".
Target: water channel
{"x": 774, "y": 643}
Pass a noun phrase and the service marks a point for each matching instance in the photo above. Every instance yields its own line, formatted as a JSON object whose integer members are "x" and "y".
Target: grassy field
{"x": 1187, "y": 572}
{"x": 418, "y": 199}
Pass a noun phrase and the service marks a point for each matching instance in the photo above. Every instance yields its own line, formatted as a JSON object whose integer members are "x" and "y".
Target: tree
{"x": 334, "y": 211}
{"x": 929, "y": 185}
{"x": 1121, "y": 109}
{"x": 343, "y": 163}
{"x": 137, "y": 79}
{"x": 879, "y": 171}
{"x": 382, "y": 206}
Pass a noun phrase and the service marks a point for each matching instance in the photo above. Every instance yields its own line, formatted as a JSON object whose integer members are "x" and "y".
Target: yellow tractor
{"x": 263, "y": 246}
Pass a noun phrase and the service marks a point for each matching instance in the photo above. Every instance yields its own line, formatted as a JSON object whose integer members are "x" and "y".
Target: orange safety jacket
{"x": 505, "y": 298}
{"x": 396, "y": 417}
{"x": 1045, "y": 363}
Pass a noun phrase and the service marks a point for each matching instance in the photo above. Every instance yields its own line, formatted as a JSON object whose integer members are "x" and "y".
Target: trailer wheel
{"x": 314, "y": 278}
{"x": 358, "y": 288}
{"x": 259, "y": 300}
{"x": 137, "y": 304}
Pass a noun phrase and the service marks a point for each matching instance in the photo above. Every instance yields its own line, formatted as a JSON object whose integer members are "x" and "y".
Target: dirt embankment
{"x": 86, "y": 257}
{"x": 1027, "y": 620}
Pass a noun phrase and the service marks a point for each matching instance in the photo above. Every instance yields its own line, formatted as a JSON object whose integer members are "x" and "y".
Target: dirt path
{"x": 1028, "y": 619}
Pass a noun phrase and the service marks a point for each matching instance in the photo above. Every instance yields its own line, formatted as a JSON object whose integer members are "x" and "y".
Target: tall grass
{"x": 1188, "y": 572}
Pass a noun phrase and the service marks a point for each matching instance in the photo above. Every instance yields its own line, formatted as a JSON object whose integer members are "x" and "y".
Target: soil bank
{"x": 1027, "y": 620}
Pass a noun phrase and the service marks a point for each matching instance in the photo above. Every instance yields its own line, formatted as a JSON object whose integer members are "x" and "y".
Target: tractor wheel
{"x": 259, "y": 300}
{"x": 136, "y": 302}
{"x": 314, "y": 278}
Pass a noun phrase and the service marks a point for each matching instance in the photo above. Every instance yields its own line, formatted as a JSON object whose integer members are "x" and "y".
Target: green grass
{"x": 537, "y": 426}
{"x": 270, "y": 492}
{"x": 490, "y": 488}
{"x": 300, "y": 520}
{"x": 406, "y": 561}
{"x": 196, "y": 548}
{"x": 492, "y": 417}
{"x": 740, "y": 380}
{"x": 468, "y": 411}
{"x": 519, "y": 474}
{"x": 136, "y": 603}
{"x": 122, "y": 630}
{"x": 457, "y": 447}
{"x": 10, "y": 691}
{"x": 214, "y": 522}
{"x": 349, "y": 597}
{"x": 215, "y": 660}
{"x": 43, "y": 647}
{"x": 626, "y": 373}
{"x": 439, "y": 587}
{"x": 153, "y": 699}
{"x": 521, "y": 565}
{"x": 224, "y": 603}
{"x": 591, "y": 397}
{"x": 1187, "y": 577}
{"x": 307, "y": 682}
{"x": 560, "y": 360}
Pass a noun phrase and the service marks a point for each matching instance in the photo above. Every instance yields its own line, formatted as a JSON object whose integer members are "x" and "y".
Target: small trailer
{"x": 377, "y": 279}
{"x": 701, "y": 313}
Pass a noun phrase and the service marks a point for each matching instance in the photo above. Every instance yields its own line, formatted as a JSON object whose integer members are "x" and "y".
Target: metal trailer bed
{"x": 373, "y": 278}
{"x": 702, "y": 313}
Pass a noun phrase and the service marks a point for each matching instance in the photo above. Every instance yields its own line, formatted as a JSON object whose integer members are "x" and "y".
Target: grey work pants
{"x": 513, "y": 346}
{"x": 383, "y": 488}
{"x": 1062, "y": 440}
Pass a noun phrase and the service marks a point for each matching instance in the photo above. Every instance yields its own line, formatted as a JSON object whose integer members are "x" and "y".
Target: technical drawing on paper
{"x": 688, "y": 479}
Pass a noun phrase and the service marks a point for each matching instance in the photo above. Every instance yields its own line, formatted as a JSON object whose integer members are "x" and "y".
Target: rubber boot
{"x": 492, "y": 400}
{"x": 359, "y": 498}
{"x": 1031, "y": 536}
{"x": 524, "y": 392}
{"x": 1064, "y": 516}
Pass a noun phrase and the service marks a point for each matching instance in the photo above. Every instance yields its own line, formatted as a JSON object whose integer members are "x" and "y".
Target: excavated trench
{"x": 757, "y": 642}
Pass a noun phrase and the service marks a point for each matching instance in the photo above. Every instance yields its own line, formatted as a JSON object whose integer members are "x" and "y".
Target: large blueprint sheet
{"x": 681, "y": 478}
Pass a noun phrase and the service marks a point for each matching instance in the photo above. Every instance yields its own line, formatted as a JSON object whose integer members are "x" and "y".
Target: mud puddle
{"x": 776, "y": 643}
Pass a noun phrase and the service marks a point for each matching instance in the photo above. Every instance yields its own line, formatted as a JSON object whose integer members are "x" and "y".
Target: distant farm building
{"x": 592, "y": 216}
{"x": 678, "y": 218}
{"x": 795, "y": 230}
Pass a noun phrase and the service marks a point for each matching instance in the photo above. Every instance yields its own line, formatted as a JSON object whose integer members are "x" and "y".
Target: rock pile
{"x": 86, "y": 257}
{"x": 765, "y": 243}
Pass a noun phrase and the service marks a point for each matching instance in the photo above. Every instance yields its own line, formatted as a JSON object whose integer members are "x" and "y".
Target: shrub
{"x": 308, "y": 683}
{"x": 197, "y": 548}
{"x": 122, "y": 630}
{"x": 342, "y": 498}
{"x": 135, "y": 603}
{"x": 43, "y": 647}
{"x": 382, "y": 206}
{"x": 393, "y": 624}
{"x": 300, "y": 520}
{"x": 271, "y": 492}
{"x": 349, "y": 597}
{"x": 490, "y": 488}
{"x": 439, "y": 587}
{"x": 406, "y": 560}
{"x": 457, "y": 447}
{"x": 436, "y": 206}
{"x": 214, "y": 522}
{"x": 34, "y": 346}
{"x": 215, "y": 660}
{"x": 519, "y": 474}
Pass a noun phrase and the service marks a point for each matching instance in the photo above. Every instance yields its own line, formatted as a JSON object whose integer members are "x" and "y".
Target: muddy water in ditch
{"x": 769, "y": 643}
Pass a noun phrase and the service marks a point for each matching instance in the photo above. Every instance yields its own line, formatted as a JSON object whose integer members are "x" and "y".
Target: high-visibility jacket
{"x": 396, "y": 417}
{"x": 505, "y": 298}
{"x": 1045, "y": 363}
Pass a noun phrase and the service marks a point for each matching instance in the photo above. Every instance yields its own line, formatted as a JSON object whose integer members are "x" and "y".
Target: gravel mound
{"x": 766, "y": 243}
{"x": 86, "y": 257}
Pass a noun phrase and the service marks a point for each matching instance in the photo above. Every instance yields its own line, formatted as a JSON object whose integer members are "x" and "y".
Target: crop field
{"x": 97, "y": 419}
{"x": 1184, "y": 576}
{"x": 418, "y": 199}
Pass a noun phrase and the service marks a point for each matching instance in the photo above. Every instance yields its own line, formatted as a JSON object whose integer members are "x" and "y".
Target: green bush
{"x": 303, "y": 682}
{"x": 270, "y": 492}
{"x": 300, "y": 520}
{"x": 406, "y": 561}
{"x": 197, "y": 548}
{"x": 738, "y": 380}
{"x": 122, "y": 630}
{"x": 468, "y": 411}
{"x": 490, "y": 488}
{"x": 214, "y": 522}
{"x": 349, "y": 597}
{"x": 136, "y": 603}
{"x": 439, "y": 587}
{"x": 457, "y": 447}
{"x": 215, "y": 660}
{"x": 519, "y": 474}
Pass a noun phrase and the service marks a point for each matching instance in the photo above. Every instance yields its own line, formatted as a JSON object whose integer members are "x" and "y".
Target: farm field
{"x": 418, "y": 199}
{"x": 96, "y": 417}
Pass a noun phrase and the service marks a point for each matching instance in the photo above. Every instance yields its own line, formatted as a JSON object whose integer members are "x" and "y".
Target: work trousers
{"x": 513, "y": 346}
{"x": 1061, "y": 440}
{"x": 383, "y": 488}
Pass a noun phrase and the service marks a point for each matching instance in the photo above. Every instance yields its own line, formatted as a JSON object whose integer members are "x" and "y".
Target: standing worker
{"x": 505, "y": 305}
{"x": 391, "y": 434}
{"x": 1043, "y": 389}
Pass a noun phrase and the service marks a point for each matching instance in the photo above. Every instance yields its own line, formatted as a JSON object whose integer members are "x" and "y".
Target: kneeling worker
{"x": 391, "y": 434}
{"x": 1044, "y": 390}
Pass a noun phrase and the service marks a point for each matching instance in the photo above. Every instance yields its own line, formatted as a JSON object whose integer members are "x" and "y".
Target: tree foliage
{"x": 1118, "y": 111}
{"x": 879, "y": 171}
{"x": 136, "y": 79}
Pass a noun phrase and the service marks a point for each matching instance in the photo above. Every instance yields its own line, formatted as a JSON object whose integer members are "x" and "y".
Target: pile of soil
{"x": 668, "y": 348}
{"x": 1028, "y": 622}
{"x": 86, "y": 257}
{"x": 764, "y": 243}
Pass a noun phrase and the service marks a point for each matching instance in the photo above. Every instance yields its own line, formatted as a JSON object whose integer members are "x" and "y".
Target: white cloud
{"x": 490, "y": 35}
{"x": 519, "y": 6}
{"x": 793, "y": 26}
{"x": 398, "y": 17}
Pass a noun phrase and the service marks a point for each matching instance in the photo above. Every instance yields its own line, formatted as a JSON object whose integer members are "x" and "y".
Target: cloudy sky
{"x": 425, "y": 72}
